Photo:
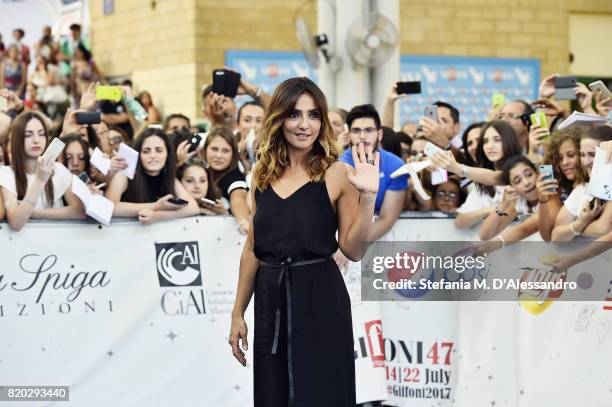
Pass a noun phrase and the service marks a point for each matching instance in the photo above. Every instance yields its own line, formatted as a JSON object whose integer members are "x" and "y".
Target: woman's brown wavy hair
{"x": 574, "y": 135}
{"x": 272, "y": 154}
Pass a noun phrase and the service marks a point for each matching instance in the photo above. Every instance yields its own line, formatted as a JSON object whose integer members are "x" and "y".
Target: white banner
{"x": 129, "y": 315}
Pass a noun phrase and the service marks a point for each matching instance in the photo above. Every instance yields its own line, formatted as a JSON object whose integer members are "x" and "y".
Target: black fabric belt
{"x": 285, "y": 266}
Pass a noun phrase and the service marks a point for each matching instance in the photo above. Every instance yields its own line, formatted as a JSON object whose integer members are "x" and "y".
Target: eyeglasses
{"x": 446, "y": 195}
{"x": 356, "y": 131}
{"x": 502, "y": 115}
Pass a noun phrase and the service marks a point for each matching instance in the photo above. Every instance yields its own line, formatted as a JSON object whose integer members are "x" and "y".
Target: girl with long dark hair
{"x": 33, "y": 186}
{"x": 498, "y": 142}
{"x": 147, "y": 195}
{"x": 221, "y": 151}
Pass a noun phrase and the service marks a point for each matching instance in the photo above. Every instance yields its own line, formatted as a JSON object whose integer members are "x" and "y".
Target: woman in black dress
{"x": 302, "y": 195}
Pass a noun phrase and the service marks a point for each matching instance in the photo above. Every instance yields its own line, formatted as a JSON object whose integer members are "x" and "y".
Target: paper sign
{"x": 96, "y": 206}
{"x": 54, "y": 149}
{"x": 600, "y": 185}
{"x": 582, "y": 119}
{"x": 99, "y": 161}
{"x": 131, "y": 158}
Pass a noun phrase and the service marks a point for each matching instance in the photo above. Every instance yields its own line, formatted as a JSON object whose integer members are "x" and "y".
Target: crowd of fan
{"x": 492, "y": 166}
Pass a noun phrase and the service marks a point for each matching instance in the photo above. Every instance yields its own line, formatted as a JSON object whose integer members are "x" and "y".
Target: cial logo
{"x": 178, "y": 264}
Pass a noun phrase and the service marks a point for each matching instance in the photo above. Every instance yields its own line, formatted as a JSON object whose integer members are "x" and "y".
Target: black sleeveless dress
{"x": 307, "y": 359}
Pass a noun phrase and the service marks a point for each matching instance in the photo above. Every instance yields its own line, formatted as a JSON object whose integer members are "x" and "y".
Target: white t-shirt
{"x": 61, "y": 178}
{"x": 477, "y": 200}
{"x": 576, "y": 199}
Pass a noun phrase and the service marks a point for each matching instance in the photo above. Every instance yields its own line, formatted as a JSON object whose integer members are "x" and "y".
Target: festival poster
{"x": 468, "y": 83}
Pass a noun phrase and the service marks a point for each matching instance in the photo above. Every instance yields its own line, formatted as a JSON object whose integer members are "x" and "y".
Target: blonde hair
{"x": 272, "y": 154}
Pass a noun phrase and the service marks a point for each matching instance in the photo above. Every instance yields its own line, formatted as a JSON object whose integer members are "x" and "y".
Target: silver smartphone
{"x": 432, "y": 112}
{"x": 602, "y": 88}
{"x": 208, "y": 201}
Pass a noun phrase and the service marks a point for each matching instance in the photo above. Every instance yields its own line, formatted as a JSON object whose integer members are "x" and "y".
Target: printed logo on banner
{"x": 178, "y": 264}
{"x": 376, "y": 344}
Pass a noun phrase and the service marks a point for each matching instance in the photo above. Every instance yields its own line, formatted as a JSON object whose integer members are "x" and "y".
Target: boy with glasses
{"x": 364, "y": 127}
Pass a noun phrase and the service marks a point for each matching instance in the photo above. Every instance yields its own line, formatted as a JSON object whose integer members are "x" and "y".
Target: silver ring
{"x": 371, "y": 162}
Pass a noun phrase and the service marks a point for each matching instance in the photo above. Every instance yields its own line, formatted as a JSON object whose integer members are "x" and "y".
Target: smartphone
{"x": 548, "y": 170}
{"x": 88, "y": 117}
{"x": 54, "y": 149}
{"x": 194, "y": 142}
{"x": 178, "y": 201}
{"x": 208, "y": 201}
{"x": 597, "y": 85}
{"x": 408, "y": 88}
{"x": 565, "y": 82}
{"x": 3, "y": 104}
{"x": 498, "y": 100}
{"x": 538, "y": 119}
{"x": 226, "y": 82}
{"x": 104, "y": 92}
{"x": 565, "y": 94}
{"x": 564, "y": 88}
{"x": 84, "y": 177}
{"x": 432, "y": 112}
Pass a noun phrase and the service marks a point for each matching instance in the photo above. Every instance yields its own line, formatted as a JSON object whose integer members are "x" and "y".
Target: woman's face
{"x": 75, "y": 158}
{"x": 568, "y": 159}
{"x": 35, "y": 139}
{"x": 446, "y": 198}
{"x": 78, "y": 54}
{"x": 13, "y": 54}
{"x": 472, "y": 142}
{"x": 219, "y": 154}
{"x": 492, "y": 145}
{"x": 523, "y": 179}
{"x": 251, "y": 117}
{"x": 146, "y": 99}
{"x": 301, "y": 128}
{"x": 153, "y": 155}
{"x": 336, "y": 123}
{"x": 40, "y": 62}
{"x": 195, "y": 181}
{"x": 587, "y": 153}
{"x": 417, "y": 147}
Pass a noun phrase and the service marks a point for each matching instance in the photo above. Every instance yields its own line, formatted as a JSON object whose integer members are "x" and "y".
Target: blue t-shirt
{"x": 389, "y": 162}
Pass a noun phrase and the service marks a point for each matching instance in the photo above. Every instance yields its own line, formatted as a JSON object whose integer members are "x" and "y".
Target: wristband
{"x": 257, "y": 93}
{"x": 464, "y": 171}
{"x": 571, "y": 226}
{"x": 501, "y": 239}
